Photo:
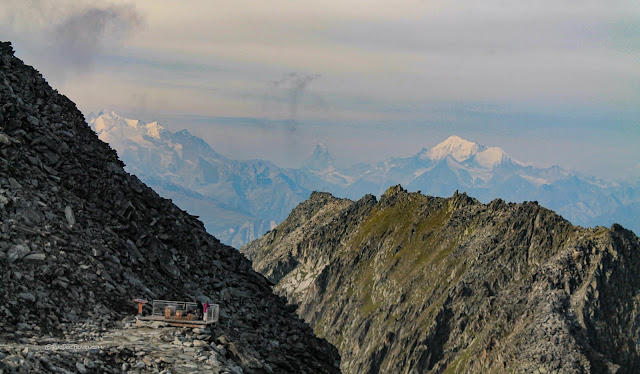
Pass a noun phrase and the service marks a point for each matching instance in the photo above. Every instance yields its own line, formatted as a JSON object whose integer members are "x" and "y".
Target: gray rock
{"x": 89, "y": 363}
{"x": 32, "y": 120}
{"x": 35, "y": 257}
{"x": 199, "y": 343}
{"x": 68, "y": 213}
{"x": 17, "y": 252}
{"x": 62, "y": 282}
{"x": 81, "y": 368}
{"x": 4, "y": 139}
{"x": 14, "y": 184}
{"x": 140, "y": 365}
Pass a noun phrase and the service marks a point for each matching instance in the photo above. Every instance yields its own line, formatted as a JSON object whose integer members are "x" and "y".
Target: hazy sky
{"x": 551, "y": 82}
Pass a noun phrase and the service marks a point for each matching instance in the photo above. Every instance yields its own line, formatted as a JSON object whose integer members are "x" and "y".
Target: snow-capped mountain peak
{"x": 154, "y": 129}
{"x": 456, "y": 147}
{"x": 108, "y": 124}
{"x": 491, "y": 157}
{"x": 109, "y": 114}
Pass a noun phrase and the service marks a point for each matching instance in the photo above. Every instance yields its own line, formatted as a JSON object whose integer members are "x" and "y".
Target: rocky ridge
{"x": 414, "y": 284}
{"x": 80, "y": 238}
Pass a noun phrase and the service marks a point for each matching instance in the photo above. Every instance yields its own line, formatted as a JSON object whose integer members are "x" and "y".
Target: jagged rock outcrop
{"x": 80, "y": 238}
{"x": 415, "y": 284}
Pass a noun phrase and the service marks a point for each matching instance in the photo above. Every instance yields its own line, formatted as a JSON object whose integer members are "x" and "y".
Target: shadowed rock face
{"x": 80, "y": 238}
{"x": 413, "y": 284}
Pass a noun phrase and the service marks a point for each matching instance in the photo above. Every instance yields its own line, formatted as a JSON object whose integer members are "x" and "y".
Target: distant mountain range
{"x": 238, "y": 201}
{"x": 487, "y": 173}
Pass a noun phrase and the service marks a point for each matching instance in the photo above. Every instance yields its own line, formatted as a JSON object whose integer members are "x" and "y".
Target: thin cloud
{"x": 79, "y": 38}
{"x": 288, "y": 90}
{"x": 69, "y": 36}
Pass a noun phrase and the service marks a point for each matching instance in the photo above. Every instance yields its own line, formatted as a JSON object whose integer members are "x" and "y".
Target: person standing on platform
{"x": 199, "y": 309}
{"x": 204, "y": 310}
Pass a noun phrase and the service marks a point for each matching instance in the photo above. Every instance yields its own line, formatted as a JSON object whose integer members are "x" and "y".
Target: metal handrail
{"x": 158, "y": 308}
{"x": 213, "y": 313}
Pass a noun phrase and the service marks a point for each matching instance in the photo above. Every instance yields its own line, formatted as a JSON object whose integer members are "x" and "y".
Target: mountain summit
{"x": 454, "y": 146}
{"x": 462, "y": 150}
{"x": 416, "y": 284}
{"x": 492, "y": 157}
{"x": 115, "y": 129}
{"x": 320, "y": 160}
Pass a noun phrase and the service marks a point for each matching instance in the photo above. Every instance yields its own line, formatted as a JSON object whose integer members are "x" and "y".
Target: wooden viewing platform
{"x": 171, "y": 312}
